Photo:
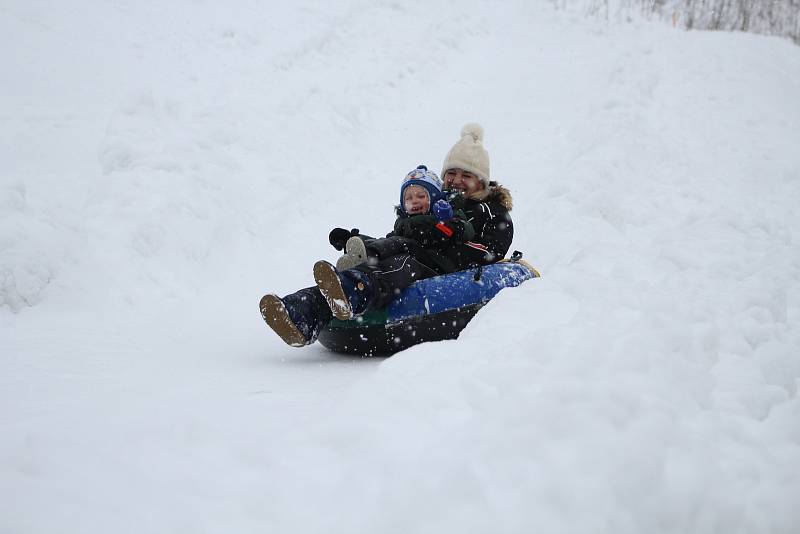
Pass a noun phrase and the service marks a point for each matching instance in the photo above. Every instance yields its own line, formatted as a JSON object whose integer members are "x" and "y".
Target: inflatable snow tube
{"x": 433, "y": 309}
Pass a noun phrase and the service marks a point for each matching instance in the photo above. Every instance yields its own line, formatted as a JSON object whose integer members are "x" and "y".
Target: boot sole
{"x": 355, "y": 246}
{"x": 355, "y": 254}
{"x": 275, "y": 315}
{"x": 331, "y": 288}
{"x": 348, "y": 261}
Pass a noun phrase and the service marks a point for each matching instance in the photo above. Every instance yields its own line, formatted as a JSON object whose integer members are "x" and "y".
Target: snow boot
{"x": 348, "y": 293}
{"x": 355, "y": 253}
{"x": 296, "y": 318}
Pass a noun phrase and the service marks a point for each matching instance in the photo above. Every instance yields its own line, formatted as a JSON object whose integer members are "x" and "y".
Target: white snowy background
{"x": 164, "y": 164}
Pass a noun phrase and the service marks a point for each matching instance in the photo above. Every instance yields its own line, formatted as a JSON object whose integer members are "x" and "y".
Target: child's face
{"x": 416, "y": 200}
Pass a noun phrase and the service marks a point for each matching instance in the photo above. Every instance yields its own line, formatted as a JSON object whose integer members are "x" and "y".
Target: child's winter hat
{"x": 425, "y": 178}
{"x": 468, "y": 154}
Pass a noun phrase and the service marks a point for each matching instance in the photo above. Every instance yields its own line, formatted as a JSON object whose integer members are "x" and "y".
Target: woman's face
{"x": 416, "y": 200}
{"x": 463, "y": 181}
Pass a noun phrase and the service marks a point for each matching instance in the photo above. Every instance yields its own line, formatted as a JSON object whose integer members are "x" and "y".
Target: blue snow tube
{"x": 429, "y": 310}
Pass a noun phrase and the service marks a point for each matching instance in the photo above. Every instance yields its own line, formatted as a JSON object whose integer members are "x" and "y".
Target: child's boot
{"x": 355, "y": 253}
{"x": 348, "y": 293}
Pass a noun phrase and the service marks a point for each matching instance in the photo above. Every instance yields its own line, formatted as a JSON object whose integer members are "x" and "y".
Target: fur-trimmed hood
{"x": 494, "y": 193}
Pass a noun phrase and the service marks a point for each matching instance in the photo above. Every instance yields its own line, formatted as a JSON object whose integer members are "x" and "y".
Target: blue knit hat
{"x": 423, "y": 177}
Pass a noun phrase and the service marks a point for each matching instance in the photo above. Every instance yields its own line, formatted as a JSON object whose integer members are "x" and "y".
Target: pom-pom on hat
{"x": 468, "y": 154}
{"x": 423, "y": 177}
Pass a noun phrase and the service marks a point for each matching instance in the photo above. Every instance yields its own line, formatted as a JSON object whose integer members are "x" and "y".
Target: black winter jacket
{"x": 493, "y": 228}
{"x": 429, "y": 241}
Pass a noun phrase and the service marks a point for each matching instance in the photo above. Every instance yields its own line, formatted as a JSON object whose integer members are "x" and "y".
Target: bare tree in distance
{"x": 768, "y": 17}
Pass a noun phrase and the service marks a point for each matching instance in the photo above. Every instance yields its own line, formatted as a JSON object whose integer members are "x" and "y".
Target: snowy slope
{"x": 163, "y": 166}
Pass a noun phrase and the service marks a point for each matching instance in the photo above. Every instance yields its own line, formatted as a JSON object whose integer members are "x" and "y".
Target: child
{"x": 426, "y": 227}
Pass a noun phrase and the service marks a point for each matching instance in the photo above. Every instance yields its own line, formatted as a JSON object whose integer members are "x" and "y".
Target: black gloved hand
{"x": 339, "y": 236}
{"x": 456, "y": 199}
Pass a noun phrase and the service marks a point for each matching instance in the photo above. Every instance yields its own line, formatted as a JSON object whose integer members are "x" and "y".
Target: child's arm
{"x": 417, "y": 227}
{"x": 440, "y": 228}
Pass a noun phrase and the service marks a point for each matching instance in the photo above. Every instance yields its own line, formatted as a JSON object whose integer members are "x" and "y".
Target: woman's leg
{"x": 297, "y": 318}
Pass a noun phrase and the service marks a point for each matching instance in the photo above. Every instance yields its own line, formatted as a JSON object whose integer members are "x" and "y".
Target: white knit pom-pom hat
{"x": 468, "y": 154}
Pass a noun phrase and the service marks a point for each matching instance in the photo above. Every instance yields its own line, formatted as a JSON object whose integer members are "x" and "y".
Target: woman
{"x": 485, "y": 203}
{"x": 299, "y": 317}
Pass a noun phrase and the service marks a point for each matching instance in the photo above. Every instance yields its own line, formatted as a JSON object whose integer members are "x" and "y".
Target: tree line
{"x": 768, "y": 17}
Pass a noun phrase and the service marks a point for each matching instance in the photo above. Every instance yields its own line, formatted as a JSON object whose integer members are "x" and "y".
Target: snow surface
{"x": 164, "y": 164}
